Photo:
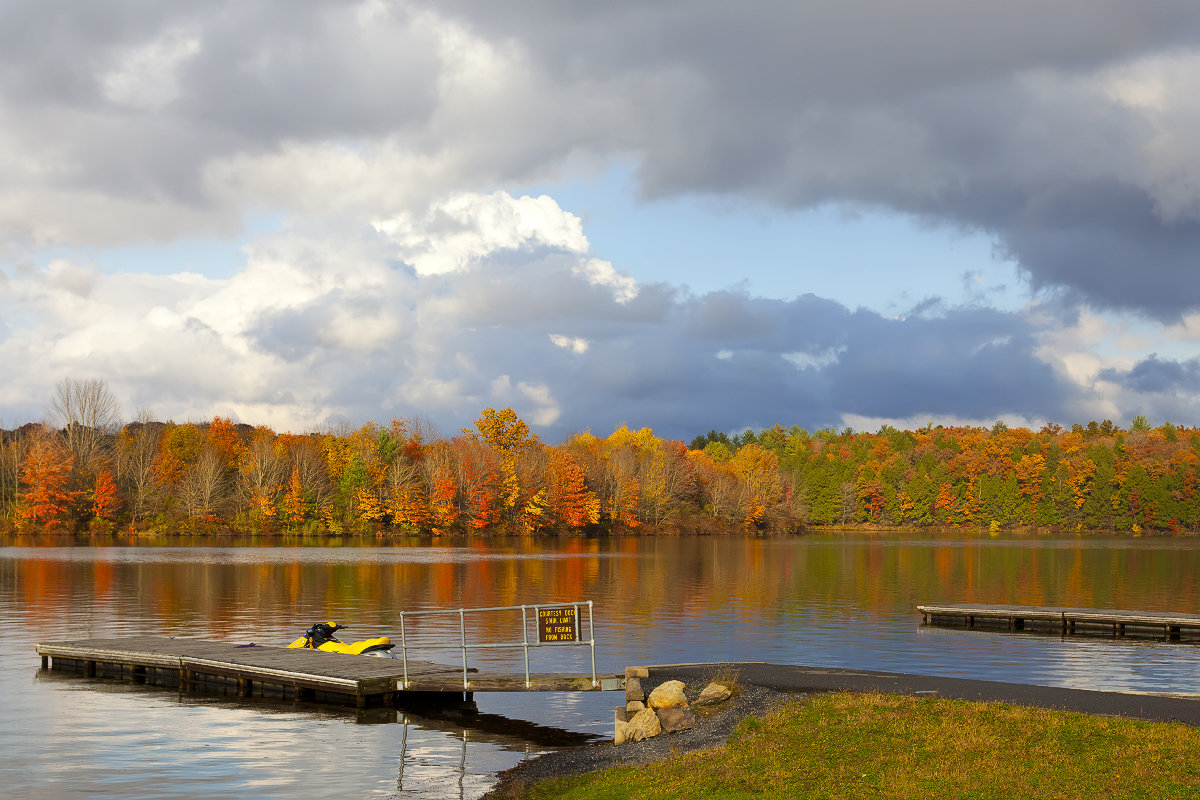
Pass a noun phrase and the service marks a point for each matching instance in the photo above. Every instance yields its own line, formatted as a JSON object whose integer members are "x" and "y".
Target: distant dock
{"x": 281, "y": 673}
{"x": 1169, "y": 627}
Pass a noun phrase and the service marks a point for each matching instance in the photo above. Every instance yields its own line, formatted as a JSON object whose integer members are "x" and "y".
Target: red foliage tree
{"x": 105, "y": 498}
{"x": 443, "y": 506}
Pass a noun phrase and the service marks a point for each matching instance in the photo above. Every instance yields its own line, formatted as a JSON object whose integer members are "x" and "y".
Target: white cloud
{"x": 146, "y": 76}
{"x": 459, "y": 232}
{"x": 817, "y": 360}
{"x": 602, "y": 273}
{"x": 575, "y": 344}
{"x": 411, "y": 275}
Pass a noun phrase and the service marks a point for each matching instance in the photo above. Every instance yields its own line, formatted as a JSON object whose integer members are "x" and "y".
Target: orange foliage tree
{"x": 46, "y": 499}
{"x": 105, "y": 498}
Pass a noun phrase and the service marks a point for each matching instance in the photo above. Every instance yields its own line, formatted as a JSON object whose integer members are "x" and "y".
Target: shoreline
{"x": 763, "y": 686}
{"x": 149, "y": 537}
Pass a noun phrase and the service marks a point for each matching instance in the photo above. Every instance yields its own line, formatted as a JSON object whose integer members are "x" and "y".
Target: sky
{"x": 684, "y": 216}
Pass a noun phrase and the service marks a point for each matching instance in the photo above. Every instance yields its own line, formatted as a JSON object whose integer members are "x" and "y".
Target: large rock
{"x": 637, "y": 672}
{"x": 634, "y": 706}
{"x": 620, "y": 726}
{"x": 634, "y": 691}
{"x": 642, "y": 725}
{"x": 667, "y": 695}
{"x": 713, "y": 693}
{"x": 675, "y": 719}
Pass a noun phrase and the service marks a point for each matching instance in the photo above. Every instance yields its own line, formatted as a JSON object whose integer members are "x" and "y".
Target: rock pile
{"x": 666, "y": 710}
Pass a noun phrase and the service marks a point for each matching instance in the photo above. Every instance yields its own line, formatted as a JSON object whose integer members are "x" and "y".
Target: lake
{"x": 825, "y": 600}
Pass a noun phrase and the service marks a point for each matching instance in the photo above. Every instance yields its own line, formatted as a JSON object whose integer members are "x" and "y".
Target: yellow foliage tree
{"x": 503, "y": 430}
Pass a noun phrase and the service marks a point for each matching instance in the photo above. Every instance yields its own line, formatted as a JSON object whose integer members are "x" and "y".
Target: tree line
{"x": 84, "y": 471}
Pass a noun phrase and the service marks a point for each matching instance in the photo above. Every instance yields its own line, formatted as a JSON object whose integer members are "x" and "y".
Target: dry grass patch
{"x": 888, "y": 746}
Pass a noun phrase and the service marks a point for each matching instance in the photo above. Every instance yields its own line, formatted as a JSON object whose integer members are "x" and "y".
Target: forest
{"x": 93, "y": 474}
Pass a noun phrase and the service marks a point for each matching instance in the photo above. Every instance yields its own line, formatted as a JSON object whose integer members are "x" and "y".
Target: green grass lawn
{"x": 888, "y": 746}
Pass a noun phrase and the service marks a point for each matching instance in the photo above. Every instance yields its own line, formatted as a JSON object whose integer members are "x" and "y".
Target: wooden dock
{"x": 279, "y": 672}
{"x": 1168, "y": 627}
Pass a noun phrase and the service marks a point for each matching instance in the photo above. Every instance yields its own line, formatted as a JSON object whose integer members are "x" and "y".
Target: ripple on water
{"x": 837, "y": 601}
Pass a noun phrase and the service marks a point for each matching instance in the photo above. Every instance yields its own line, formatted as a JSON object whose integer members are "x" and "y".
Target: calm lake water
{"x": 822, "y": 600}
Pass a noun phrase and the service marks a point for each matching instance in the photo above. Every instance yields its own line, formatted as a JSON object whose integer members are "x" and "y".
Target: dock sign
{"x": 557, "y": 625}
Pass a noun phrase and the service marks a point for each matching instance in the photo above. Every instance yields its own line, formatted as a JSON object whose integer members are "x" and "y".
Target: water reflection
{"x": 826, "y": 601}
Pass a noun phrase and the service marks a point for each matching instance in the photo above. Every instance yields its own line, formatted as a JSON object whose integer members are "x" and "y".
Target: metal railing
{"x": 525, "y": 644}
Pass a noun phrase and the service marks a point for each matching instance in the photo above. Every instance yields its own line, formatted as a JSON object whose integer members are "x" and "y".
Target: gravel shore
{"x": 763, "y": 686}
{"x": 713, "y": 727}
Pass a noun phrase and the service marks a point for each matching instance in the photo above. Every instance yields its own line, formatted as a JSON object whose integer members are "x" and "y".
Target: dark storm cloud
{"x": 988, "y": 116}
{"x": 300, "y": 338}
{"x": 255, "y": 76}
{"x": 999, "y": 118}
{"x": 1155, "y": 375}
{"x": 727, "y": 360}
{"x": 307, "y": 71}
{"x": 1106, "y": 242}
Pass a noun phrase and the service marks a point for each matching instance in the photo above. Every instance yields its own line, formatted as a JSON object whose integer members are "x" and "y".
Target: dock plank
{"x": 1067, "y": 620}
{"x": 311, "y": 668}
{"x": 339, "y": 673}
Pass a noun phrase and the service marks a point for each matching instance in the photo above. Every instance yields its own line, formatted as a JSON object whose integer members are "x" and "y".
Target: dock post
{"x": 45, "y": 662}
{"x": 245, "y": 687}
{"x": 462, "y": 628}
{"x": 89, "y": 669}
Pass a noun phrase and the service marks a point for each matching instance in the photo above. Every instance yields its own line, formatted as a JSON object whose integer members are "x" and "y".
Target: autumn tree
{"x": 179, "y": 449}
{"x": 666, "y": 481}
{"x": 105, "y": 497}
{"x": 304, "y": 457}
{"x": 757, "y": 471}
{"x": 568, "y": 497}
{"x": 260, "y": 471}
{"x": 46, "y": 499}
{"x": 406, "y": 494}
{"x": 509, "y": 436}
{"x": 718, "y": 487}
{"x": 479, "y": 480}
{"x": 503, "y": 430}
{"x": 295, "y": 503}
{"x": 443, "y": 499}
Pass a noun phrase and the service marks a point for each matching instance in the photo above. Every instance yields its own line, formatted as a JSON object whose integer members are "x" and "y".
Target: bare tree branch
{"x": 88, "y": 414}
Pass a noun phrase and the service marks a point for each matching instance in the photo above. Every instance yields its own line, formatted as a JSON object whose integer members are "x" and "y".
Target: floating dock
{"x": 1067, "y": 621}
{"x": 280, "y": 672}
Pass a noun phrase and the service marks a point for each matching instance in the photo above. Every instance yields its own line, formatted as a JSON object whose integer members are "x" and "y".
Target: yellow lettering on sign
{"x": 557, "y": 624}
